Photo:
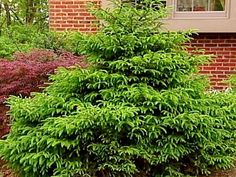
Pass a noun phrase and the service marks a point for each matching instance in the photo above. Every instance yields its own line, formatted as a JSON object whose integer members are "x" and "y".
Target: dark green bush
{"x": 139, "y": 110}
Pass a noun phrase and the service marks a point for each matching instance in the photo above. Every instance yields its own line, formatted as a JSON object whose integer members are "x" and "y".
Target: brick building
{"x": 215, "y": 21}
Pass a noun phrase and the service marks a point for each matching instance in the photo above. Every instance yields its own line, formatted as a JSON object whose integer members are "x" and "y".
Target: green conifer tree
{"x": 139, "y": 110}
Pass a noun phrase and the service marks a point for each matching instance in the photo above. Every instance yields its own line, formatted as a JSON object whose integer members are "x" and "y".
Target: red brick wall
{"x": 223, "y": 46}
{"x": 71, "y": 15}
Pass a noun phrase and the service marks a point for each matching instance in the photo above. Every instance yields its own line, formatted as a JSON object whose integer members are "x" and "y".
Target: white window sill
{"x": 201, "y": 15}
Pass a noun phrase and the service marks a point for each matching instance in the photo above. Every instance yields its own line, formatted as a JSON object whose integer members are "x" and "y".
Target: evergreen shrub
{"x": 139, "y": 110}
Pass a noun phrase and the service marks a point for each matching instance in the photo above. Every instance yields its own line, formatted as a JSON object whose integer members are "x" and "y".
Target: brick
{"x": 67, "y": 25}
{"x": 79, "y": 18}
{"x": 85, "y": 22}
{"x": 197, "y": 45}
{"x": 229, "y": 64}
{"x": 217, "y": 49}
{"x": 55, "y": 2}
{"x": 60, "y": 6}
{"x": 204, "y": 41}
{"x": 222, "y": 60}
{"x": 55, "y": 10}
{"x": 204, "y": 72}
{"x": 79, "y": 25}
{"x": 84, "y": 14}
{"x": 74, "y": 6}
{"x": 67, "y": 2}
{"x": 222, "y": 68}
{"x": 222, "y": 76}
{"x": 90, "y": 18}
{"x": 210, "y": 52}
{"x": 217, "y": 41}
{"x": 231, "y": 41}
{"x": 60, "y": 14}
{"x": 211, "y": 45}
{"x": 79, "y": 10}
{"x": 55, "y": 18}
{"x": 67, "y": 10}
{"x": 209, "y": 68}
{"x": 229, "y": 72}
{"x": 215, "y": 80}
{"x": 224, "y": 45}
{"x": 78, "y": 2}
{"x": 217, "y": 72}
{"x": 223, "y": 53}
{"x": 216, "y": 64}
{"x": 230, "y": 49}
{"x": 72, "y": 21}
{"x": 60, "y": 21}
{"x": 66, "y": 18}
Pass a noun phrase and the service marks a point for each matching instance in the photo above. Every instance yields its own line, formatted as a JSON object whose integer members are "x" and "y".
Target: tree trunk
{"x": 1, "y": 20}
{"x": 30, "y": 11}
{"x": 8, "y": 13}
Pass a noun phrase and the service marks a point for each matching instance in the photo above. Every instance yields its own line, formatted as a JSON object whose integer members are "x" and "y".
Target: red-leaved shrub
{"x": 28, "y": 73}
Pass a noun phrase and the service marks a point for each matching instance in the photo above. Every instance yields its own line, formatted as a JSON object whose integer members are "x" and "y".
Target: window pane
{"x": 217, "y": 5}
{"x": 200, "y": 5}
{"x": 184, "y": 5}
{"x": 140, "y": 3}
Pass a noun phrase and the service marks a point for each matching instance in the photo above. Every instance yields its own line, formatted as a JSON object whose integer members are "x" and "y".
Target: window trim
{"x": 201, "y": 14}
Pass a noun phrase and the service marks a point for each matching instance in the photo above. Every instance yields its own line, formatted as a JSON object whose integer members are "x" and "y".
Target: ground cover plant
{"x": 139, "y": 109}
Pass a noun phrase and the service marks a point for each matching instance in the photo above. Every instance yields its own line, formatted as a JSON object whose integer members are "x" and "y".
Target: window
{"x": 138, "y": 3}
{"x": 200, "y": 5}
{"x": 201, "y": 8}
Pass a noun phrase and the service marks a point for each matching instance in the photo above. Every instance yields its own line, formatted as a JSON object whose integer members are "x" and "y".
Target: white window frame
{"x": 201, "y": 14}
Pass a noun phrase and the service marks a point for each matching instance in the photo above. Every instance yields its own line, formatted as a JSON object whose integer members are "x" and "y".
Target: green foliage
{"x": 23, "y": 38}
{"x": 7, "y": 47}
{"x": 139, "y": 110}
{"x": 23, "y": 12}
{"x": 21, "y": 25}
{"x": 16, "y": 38}
{"x": 232, "y": 82}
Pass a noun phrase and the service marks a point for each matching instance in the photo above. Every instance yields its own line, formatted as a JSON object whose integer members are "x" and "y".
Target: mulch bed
{"x": 4, "y": 121}
{"x": 4, "y": 172}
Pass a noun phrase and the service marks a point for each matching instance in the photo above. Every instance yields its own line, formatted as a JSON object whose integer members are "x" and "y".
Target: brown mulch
{"x": 4, "y": 172}
{"x": 4, "y": 121}
{"x": 226, "y": 173}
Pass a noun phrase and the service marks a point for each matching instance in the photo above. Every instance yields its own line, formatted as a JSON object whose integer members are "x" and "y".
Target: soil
{"x": 4, "y": 121}
{"x": 4, "y": 172}
{"x": 227, "y": 173}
